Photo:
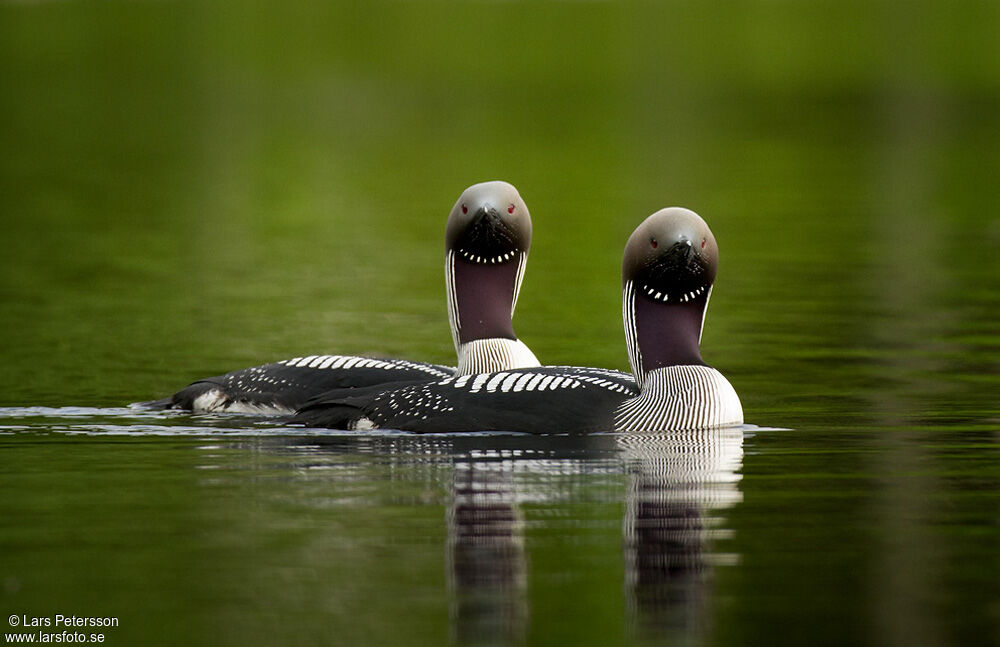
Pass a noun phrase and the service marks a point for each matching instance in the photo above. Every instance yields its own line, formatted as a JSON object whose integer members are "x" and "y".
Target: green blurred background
{"x": 190, "y": 188}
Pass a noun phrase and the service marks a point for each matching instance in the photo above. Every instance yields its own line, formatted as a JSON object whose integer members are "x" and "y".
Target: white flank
{"x": 216, "y": 401}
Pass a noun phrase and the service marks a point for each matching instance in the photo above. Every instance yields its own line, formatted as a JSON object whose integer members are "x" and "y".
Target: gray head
{"x": 668, "y": 270}
{"x": 486, "y": 250}
{"x": 672, "y": 256}
{"x": 489, "y": 224}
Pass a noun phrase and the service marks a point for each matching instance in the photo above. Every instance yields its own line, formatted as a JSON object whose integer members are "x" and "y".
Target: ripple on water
{"x": 136, "y": 421}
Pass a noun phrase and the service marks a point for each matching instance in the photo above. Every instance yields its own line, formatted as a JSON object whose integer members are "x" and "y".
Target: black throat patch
{"x": 668, "y": 333}
{"x": 485, "y": 296}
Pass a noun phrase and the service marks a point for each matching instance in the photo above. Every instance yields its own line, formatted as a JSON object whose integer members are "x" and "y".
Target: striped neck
{"x": 660, "y": 334}
{"x": 482, "y": 296}
{"x": 493, "y": 355}
{"x": 681, "y": 397}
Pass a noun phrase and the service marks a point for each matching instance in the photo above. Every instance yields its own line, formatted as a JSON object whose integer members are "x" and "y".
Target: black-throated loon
{"x": 668, "y": 270}
{"x": 487, "y": 240}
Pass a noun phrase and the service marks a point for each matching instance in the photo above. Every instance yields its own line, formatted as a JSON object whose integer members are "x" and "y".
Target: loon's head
{"x": 486, "y": 248}
{"x": 668, "y": 270}
{"x": 489, "y": 224}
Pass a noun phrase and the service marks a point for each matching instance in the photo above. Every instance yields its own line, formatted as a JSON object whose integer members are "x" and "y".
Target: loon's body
{"x": 487, "y": 240}
{"x": 282, "y": 387}
{"x": 548, "y": 399}
{"x": 542, "y": 400}
{"x": 667, "y": 275}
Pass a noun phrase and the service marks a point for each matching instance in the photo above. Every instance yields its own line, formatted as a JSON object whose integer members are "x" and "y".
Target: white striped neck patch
{"x": 681, "y": 397}
{"x": 493, "y": 355}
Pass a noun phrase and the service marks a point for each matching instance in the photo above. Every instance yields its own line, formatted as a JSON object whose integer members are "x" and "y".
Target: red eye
{"x": 703, "y": 243}
{"x": 652, "y": 241}
{"x": 465, "y": 209}
{"x": 510, "y": 208}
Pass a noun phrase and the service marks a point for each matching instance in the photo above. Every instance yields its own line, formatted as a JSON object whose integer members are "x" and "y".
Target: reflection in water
{"x": 677, "y": 482}
{"x": 487, "y": 568}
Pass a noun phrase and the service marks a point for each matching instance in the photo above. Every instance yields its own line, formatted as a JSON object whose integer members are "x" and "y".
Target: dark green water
{"x": 187, "y": 189}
